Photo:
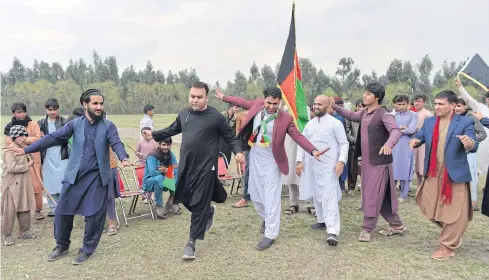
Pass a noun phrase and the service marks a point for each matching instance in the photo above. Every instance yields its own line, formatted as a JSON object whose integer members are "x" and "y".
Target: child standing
{"x": 144, "y": 147}
{"x": 17, "y": 191}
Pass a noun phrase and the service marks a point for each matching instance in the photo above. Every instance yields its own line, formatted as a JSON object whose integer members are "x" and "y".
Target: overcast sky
{"x": 218, "y": 37}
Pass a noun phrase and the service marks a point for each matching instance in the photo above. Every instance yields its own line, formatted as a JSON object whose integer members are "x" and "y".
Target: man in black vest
{"x": 85, "y": 185}
{"x": 377, "y": 136}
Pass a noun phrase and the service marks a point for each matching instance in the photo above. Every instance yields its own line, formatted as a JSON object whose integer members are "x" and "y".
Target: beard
{"x": 93, "y": 116}
{"x": 319, "y": 113}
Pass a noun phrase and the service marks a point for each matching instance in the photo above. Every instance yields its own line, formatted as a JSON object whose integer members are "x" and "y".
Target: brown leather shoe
{"x": 241, "y": 204}
{"x": 443, "y": 253}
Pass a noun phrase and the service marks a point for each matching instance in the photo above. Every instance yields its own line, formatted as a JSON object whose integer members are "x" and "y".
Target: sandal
{"x": 390, "y": 231}
{"x": 111, "y": 231}
{"x": 9, "y": 240}
{"x": 176, "y": 209}
{"x": 292, "y": 210}
{"x": 311, "y": 210}
{"x": 26, "y": 235}
{"x": 364, "y": 236}
{"x": 475, "y": 208}
{"x": 160, "y": 212}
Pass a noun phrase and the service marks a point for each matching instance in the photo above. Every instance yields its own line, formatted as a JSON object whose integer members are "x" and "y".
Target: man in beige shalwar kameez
{"x": 444, "y": 195}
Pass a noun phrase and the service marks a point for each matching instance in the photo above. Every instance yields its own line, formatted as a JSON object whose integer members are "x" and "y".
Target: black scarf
{"x": 164, "y": 158}
{"x": 15, "y": 121}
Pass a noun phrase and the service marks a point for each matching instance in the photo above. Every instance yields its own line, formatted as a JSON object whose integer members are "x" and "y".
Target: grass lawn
{"x": 150, "y": 249}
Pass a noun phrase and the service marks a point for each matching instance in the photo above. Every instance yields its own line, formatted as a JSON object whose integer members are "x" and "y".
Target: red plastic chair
{"x": 223, "y": 173}
{"x": 133, "y": 191}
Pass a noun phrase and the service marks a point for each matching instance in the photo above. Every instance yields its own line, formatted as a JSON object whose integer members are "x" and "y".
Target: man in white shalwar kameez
{"x": 291, "y": 180}
{"x": 319, "y": 179}
{"x": 483, "y": 152}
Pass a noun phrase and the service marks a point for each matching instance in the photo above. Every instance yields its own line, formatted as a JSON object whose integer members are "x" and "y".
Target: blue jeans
{"x": 246, "y": 195}
{"x": 50, "y": 203}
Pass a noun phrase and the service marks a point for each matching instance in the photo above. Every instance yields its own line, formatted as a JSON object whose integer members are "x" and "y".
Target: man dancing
{"x": 85, "y": 185}
{"x": 377, "y": 136}
{"x": 201, "y": 126}
{"x": 264, "y": 130}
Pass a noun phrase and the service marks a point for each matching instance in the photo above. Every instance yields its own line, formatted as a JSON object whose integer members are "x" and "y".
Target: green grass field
{"x": 150, "y": 249}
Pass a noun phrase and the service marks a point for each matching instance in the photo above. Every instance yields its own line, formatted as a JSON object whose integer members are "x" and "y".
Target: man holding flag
{"x": 264, "y": 130}
{"x": 477, "y": 71}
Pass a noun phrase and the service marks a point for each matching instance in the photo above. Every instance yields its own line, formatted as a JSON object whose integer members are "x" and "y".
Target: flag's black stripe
{"x": 287, "y": 64}
{"x": 478, "y": 70}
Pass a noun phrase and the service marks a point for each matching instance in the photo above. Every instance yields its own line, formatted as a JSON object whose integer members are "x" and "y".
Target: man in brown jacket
{"x": 20, "y": 117}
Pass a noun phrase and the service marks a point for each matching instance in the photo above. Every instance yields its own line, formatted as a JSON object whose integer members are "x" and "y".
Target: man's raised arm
{"x": 237, "y": 101}
{"x": 347, "y": 114}
{"x": 59, "y": 137}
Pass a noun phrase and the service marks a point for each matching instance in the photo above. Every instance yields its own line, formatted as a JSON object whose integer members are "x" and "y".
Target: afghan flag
{"x": 169, "y": 182}
{"x": 290, "y": 81}
{"x": 477, "y": 70}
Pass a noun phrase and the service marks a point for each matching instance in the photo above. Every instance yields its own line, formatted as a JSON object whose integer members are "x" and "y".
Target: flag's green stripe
{"x": 300, "y": 103}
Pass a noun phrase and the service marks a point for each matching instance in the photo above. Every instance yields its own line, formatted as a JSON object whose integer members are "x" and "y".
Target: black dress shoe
{"x": 57, "y": 253}
{"x": 265, "y": 243}
{"x": 318, "y": 226}
{"x": 80, "y": 258}
{"x": 262, "y": 228}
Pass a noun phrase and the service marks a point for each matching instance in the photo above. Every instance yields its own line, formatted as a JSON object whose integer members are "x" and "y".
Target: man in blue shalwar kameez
{"x": 85, "y": 184}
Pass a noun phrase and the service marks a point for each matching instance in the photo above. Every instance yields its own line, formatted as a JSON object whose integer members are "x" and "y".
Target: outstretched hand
{"x": 219, "y": 94}
{"x": 16, "y": 150}
{"x": 317, "y": 153}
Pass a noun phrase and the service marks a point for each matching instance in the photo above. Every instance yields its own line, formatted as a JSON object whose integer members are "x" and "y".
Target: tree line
{"x": 129, "y": 91}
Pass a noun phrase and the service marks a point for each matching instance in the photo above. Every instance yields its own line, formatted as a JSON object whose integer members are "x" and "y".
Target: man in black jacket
{"x": 54, "y": 160}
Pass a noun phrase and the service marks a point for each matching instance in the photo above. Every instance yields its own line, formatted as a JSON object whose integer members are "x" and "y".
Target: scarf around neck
{"x": 164, "y": 158}
{"x": 446, "y": 188}
{"x": 14, "y": 121}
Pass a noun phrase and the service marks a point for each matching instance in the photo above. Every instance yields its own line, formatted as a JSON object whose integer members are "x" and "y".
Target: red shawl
{"x": 446, "y": 188}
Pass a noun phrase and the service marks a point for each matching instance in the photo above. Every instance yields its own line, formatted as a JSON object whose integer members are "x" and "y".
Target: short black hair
{"x": 201, "y": 85}
{"x": 420, "y": 96}
{"x": 166, "y": 140}
{"x": 51, "y": 103}
{"x": 147, "y": 108}
{"x": 461, "y": 101}
{"x": 448, "y": 94}
{"x": 376, "y": 89}
{"x": 85, "y": 98}
{"x": 145, "y": 128}
{"x": 487, "y": 94}
{"x": 359, "y": 102}
{"x": 79, "y": 112}
{"x": 273, "y": 92}
{"x": 18, "y": 106}
{"x": 400, "y": 98}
